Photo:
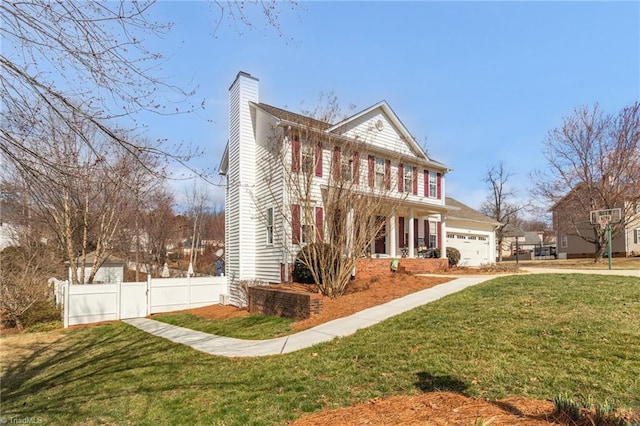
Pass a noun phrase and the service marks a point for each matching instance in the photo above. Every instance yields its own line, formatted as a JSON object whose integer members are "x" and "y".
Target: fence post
{"x": 188, "y": 291}
{"x": 65, "y": 304}
{"x": 118, "y": 299}
{"x": 148, "y": 294}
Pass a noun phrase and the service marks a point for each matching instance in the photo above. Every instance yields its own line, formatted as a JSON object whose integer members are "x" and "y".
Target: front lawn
{"x": 529, "y": 335}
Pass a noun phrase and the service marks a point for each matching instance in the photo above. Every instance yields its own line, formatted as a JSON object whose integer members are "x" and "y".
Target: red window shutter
{"x": 372, "y": 176}
{"x": 401, "y": 231}
{"x": 426, "y": 233}
{"x": 295, "y": 154}
{"x": 318, "y": 158}
{"x": 415, "y": 233}
{"x": 295, "y": 223}
{"x": 415, "y": 181}
{"x": 439, "y": 231}
{"x": 400, "y": 177}
{"x": 336, "y": 162}
{"x": 439, "y": 186}
{"x": 319, "y": 224}
{"x": 426, "y": 183}
{"x": 387, "y": 174}
{"x": 356, "y": 168}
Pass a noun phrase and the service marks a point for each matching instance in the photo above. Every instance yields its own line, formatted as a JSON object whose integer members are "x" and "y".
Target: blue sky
{"x": 480, "y": 82}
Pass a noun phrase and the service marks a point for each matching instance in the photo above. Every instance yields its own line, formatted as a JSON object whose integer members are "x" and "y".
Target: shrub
{"x": 314, "y": 254}
{"x": 41, "y": 312}
{"x": 453, "y": 254}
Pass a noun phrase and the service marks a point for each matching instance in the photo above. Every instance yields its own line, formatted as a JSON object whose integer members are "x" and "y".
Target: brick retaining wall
{"x": 381, "y": 267}
{"x": 283, "y": 303}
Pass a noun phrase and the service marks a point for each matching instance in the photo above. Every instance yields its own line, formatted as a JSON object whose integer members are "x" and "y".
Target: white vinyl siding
{"x": 375, "y": 128}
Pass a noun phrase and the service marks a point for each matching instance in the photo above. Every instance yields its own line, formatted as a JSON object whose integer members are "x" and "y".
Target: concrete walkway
{"x": 228, "y": 346}
{"x": 231, "y": 347}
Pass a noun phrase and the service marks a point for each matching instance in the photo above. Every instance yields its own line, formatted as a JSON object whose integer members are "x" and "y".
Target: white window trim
{"x": 379, "y": 171}
{"x": 564, "y": 241}
{"x": 269, "y": 226}
{"x": 433, "y": 185}
{"x": 408, "y": 179}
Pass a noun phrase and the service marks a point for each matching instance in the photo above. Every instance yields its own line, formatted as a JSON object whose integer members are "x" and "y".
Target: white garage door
{"x": 474, "y": 249}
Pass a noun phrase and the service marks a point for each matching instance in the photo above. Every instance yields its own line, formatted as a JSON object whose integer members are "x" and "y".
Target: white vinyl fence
{"x": 88, "y": 303}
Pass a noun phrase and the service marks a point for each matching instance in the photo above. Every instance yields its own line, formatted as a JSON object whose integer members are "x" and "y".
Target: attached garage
{"x": 472, "y": 233}
{"x": 475, "y": 250}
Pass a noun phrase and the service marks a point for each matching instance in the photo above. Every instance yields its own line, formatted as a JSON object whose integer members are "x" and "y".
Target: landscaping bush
{"x": 453, "y": 254}
{"x": 41, "y": 312}
{"x": 302, "y": 273}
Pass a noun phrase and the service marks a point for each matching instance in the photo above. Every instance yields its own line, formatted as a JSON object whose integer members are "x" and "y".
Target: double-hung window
{"x": 564, "y": 241}
{"x": 379, "y": 173}
{"x": 408, "y": 179}
{"x": 307, "y": 159}
{"x": 433, "y": 235}
{"x": 346, "y": 166}
{"x": 433, "y": 185}
{"x": 269, "y": 225}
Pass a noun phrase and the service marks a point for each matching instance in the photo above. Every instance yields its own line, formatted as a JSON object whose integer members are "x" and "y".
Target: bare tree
{"x": 89, "y": 61}
{"x": 500, "y": 204}
{"x": 593, "y": 163}
{"x": 326, "y": 227}
{"x": 158, "y": 225}
{"x": 27, "y": 264}
{"x": 82, "y": 199}
{"x": 197, "y": 201}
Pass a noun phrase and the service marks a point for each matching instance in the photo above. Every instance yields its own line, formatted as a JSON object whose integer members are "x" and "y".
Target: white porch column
{"x": 392, "y": 235}
{"x": 443, "y": 237}
{"x": 411, "y": 234}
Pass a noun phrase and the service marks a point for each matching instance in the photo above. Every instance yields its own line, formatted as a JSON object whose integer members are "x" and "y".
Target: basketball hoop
{"x": 605, "y": 218}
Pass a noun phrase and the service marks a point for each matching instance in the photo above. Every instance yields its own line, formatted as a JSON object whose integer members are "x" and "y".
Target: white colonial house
{"x": 265, "y": 146}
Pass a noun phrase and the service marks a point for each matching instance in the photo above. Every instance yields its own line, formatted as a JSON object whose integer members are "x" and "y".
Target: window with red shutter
{"x": 387, "y": 174}
{"x": 439, "y": 184}
{"x": 318, "y": 159}
{"x": 335, "y": 163}
{"x": 356, "y": 168}
{"x": 295, "y": 223}
{"x": 295, "y": 154}
{"x": 319, "y": 224}
{"x": 372, "y": 176}
{"x": 426, "y": 183}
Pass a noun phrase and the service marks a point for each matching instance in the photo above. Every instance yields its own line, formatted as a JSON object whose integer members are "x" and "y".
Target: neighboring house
{"x": 390, "y": 159}
{"x": 472, "y": 233}
{"x": 111, "y": 271}
{"x": 526, "y": 243}
{"x": 8, "y": 235}
{"x": 569, "y": 224}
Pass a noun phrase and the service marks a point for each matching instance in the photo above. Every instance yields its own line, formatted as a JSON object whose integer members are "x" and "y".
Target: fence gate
{"x": 133, "y": 300}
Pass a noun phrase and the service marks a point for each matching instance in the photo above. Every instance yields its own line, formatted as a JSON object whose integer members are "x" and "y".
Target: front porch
{"x": 381, "y": 267}
{"x": 410, "y": 232}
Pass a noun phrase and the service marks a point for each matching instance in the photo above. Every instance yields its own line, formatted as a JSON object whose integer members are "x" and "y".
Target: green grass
{"x": 249, "y": 327}
{"x": 625, "y": 263}
{"x": 530, "y": 335}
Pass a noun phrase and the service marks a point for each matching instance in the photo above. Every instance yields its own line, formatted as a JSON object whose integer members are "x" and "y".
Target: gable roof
{"x": 384, "y": 107}
{"x": 288, "y": 117}
{"x": 464, "y": 212}
{"x": 293, "y": 117}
